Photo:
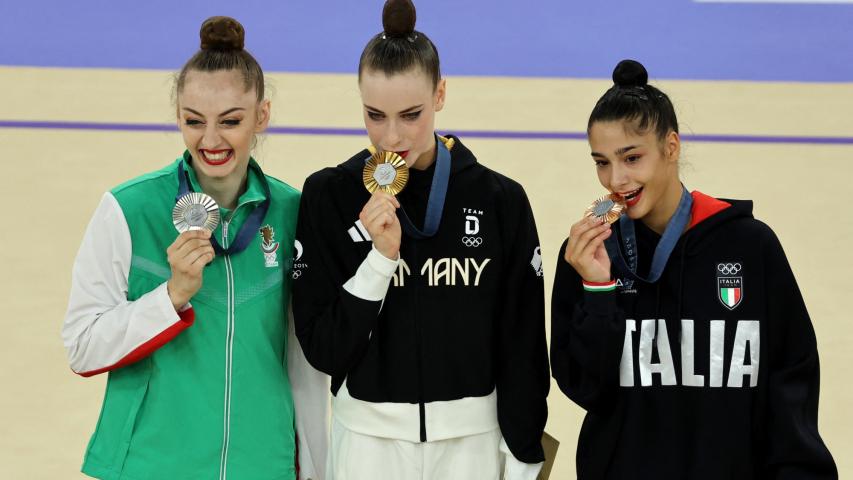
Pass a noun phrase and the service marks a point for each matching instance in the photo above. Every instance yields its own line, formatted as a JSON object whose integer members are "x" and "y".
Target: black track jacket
{"x": 457, "y": 344}
{"x": 709, "y": 373}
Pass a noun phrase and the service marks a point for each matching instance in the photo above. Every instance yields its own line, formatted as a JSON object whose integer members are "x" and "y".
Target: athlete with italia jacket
{"x": 192, "y": 327}
{"x": 427, "y": 312}
{"x": 680, "y": 329}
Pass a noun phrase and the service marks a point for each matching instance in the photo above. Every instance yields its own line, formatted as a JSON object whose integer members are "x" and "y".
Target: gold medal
{"x": 195, "y": 211}
{"x": 607, "y": 208}
{"x": 385, "y": 171}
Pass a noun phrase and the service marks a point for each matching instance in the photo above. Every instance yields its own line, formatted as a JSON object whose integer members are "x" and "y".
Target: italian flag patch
{"x": 730, "y": 291}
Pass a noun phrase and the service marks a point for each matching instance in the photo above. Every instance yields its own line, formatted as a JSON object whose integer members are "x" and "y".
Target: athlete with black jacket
{"x": 434, "y": 338}
{"x": 693, "y": 354}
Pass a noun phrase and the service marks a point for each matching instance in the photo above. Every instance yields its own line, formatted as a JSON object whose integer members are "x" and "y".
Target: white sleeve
{"x": 515, "y": 469}
{"x": 311, "y": 396}
{"x": 373, "y": 277}
{"x": 102, "y": 329}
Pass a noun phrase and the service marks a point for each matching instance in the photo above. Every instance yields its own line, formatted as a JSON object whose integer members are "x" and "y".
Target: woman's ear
{"x": 263, "y": 116}
{"x": 440, "y": 93}
{"x": 672, "y": 146}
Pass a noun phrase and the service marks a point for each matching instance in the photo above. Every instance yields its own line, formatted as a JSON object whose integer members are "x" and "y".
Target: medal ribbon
{"x": 437, "y": 194}
{"x": 671, "y": 234}
{"x": 250, "y": 226}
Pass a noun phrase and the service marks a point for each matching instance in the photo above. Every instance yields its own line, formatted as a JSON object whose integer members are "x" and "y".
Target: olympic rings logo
{"x": 728, "y": 268}
{"x": 472, "y": 241}
{"x": 297, "y": 274}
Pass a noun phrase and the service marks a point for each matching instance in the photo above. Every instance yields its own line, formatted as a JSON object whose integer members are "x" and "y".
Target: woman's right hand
{"x": 585, "y": 250}
{"x": 187, "y": 256}
{"x": 379, "y": 217}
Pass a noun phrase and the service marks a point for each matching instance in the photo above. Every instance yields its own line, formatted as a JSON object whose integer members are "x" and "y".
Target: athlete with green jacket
{"x": 204, "y": 379}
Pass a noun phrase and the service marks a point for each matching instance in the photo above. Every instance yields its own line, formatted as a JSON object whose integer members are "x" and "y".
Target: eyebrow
{"x": 620, "y": 151}
{"x": 226, "y": 112}
{"x": 408, "y": 110}
{"x": 624, "y": 150}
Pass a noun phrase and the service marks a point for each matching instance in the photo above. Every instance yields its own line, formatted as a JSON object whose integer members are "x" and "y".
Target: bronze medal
{"x": 607, "y": 208}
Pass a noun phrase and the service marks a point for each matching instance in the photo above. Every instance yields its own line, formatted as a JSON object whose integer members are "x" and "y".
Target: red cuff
{"x": 187, "y": 317}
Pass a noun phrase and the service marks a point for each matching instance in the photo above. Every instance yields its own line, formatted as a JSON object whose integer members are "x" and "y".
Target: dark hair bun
{"x": 398, "y": 18}
{"x": 630, "y": 73}
{"x": 222, "y": 33}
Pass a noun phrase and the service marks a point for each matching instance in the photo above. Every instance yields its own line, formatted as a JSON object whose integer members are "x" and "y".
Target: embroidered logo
{"x": 536, "y": 262}
{"x": 729, "y": 284}
{"x": 472, "y": 228}
{"x": 358, "y": 233}
{"x": 625, "y": 285}
{"x": 269, "y": 246}
{"x": 472, "y": 225}
{"x": 472, "y": 241}
{"x": 298, "y": 265}
{"x": 297, "y": 248}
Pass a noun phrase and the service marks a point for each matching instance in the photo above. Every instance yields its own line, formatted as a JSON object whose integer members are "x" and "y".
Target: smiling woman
{"x": 159, "y": 309}
{"x": 670, "y": 328}
{"x": 219, "y": 119}
{"x": 221, "y": 107}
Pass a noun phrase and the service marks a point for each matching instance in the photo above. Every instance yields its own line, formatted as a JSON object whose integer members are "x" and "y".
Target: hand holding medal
{"x": 385, "y": 174}
{"x": 585, "y": 250}
{"x": 195, "y": 216}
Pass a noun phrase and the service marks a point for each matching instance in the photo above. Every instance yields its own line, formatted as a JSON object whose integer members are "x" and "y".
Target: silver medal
{"x": 195, "y": 211}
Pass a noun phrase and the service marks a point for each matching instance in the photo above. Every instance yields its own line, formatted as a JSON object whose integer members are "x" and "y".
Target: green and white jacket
{"x": 220, "y": 389}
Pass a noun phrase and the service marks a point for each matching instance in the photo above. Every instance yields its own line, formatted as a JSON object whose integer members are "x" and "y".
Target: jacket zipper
{"x": 418, "y": 340}
{"x": 229, "y": 349}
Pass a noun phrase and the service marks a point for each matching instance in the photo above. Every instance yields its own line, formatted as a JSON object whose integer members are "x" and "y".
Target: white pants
{"x": 354, "y": 456}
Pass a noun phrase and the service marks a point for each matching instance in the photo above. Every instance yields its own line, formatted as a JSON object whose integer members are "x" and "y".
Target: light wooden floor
{"x": 52, "y": 180}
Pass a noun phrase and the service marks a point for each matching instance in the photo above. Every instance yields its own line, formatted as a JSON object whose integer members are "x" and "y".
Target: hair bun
{"x": 630, "y": 73}
{"x": 398, "y": 18}
{"x": 222, "y": 33}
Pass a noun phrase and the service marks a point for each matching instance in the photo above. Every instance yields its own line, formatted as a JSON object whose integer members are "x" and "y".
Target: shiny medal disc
{"x": 607, "y": 208}
{"x": 195, "y": 211}
{"x": 385, "y": 171}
